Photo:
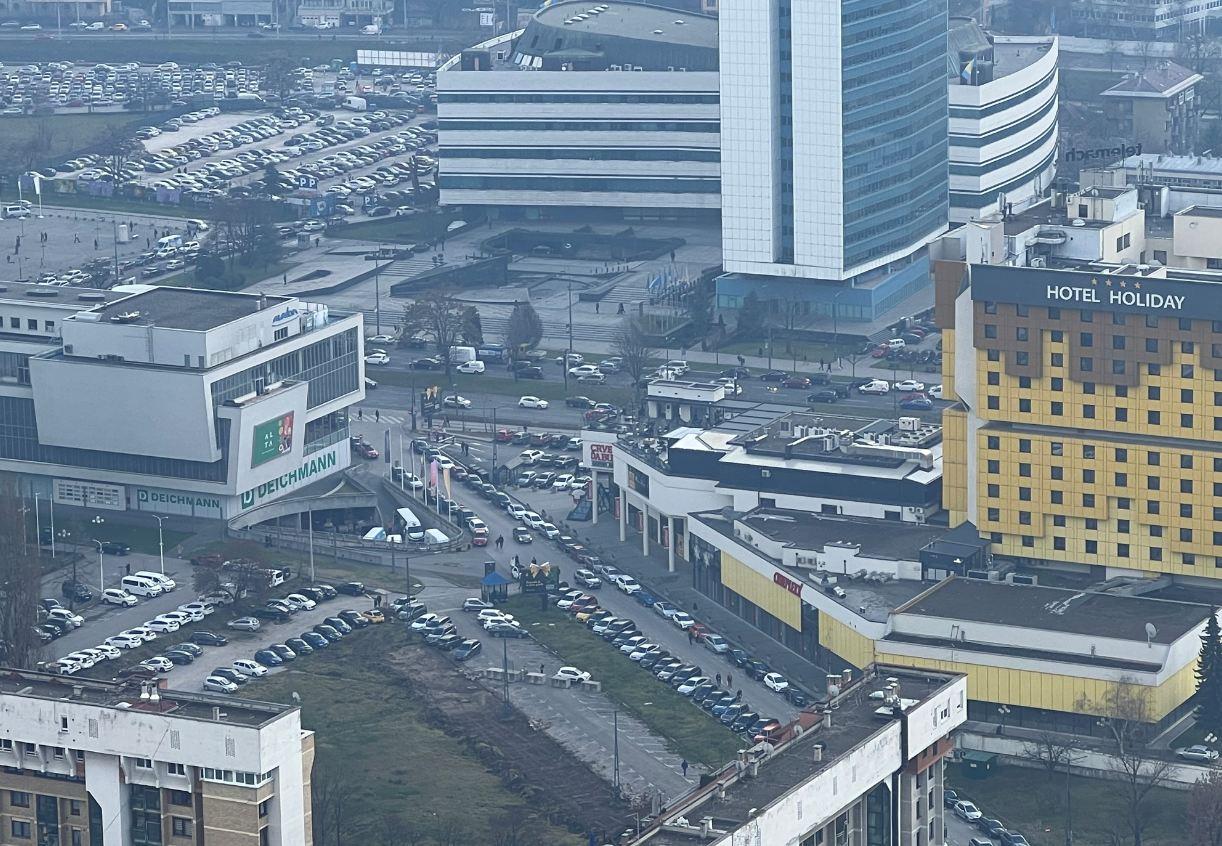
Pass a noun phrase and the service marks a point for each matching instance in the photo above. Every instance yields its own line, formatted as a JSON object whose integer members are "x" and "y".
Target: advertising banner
{"x": 273, "y": 439}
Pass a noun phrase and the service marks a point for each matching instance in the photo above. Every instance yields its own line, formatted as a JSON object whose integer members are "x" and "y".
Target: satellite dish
{"x": 1151, "y": 633}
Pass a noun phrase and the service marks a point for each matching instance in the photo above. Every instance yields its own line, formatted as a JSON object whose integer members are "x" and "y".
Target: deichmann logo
{"x": 288, "y": 314}
{"x": 289, "y": 480}
{"x": 1122, "y": 152}
{"x": 1116, "y": 295}
{"x": 143, "y": 496}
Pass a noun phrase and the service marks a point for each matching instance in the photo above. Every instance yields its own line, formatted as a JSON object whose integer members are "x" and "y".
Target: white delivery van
{"x": 409, "y": 524}
{"x": 355, "y": 104}
{"x": 435, "y": 536}
{"x": 459, "y": 355}
{"x": 371, "y": 29}
{"x": 377, "y": 533}
{"x": 140, "y": 586}
{"x": 165, "y": 582}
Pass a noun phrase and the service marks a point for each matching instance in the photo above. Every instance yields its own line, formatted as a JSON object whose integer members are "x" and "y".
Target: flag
{"x": 37, "y": 183}
{"x": 966, "y": 73}
{"x": 446, "y": 476}
{"x": 433, "y": 473}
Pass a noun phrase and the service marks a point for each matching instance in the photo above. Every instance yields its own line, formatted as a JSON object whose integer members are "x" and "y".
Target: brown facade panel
{"x": 948, "y": 279}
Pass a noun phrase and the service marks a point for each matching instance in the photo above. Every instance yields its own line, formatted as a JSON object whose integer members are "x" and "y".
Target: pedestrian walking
{"x": 377, "y": 415}
{"x": 691, "y": 638}
{"x": 541, "y": 672}
{"x": 360, "y": 414}
{"x": 621, "y": 309}
{"x": 729, "y": 680}
{"x": 500, "y": 541}
{"x": 719, "y": 679}
{"x": 683, "y": 766}
{"x": 672, "y": 256}
{"x": 738, "y": 697}
{"x": 596, "y": 306}
{"x": 129, "y": 570}
{"x": 95, "y": 243}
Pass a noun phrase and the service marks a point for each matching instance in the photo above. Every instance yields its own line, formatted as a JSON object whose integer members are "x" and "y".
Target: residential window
{"x": 1058, "y": 520}
{"x": 1024, "y": 518}
{"x": 181, "y": 826}
{"x": 1020, "y": 333}
{"x": 1024, "y": 494}
{"x": 1024, "y": 469}
{"x": 181, "y": 798}
{"x": 1185, "y": 421}
{"x": 1088, "y": 500}
{"x": 1092, "y": 547}
{"x": 1156, "y": 553}
{"x": 1186, "y": 347}
{"x": 1185, "y": 461}
{"x": 1122, "y": 480}
{"x": 1186, "y": 371}
{"x": 994, "y": 466}
{"x": 1088, "y": 477}
{"x": 144, "y": 763}
{"x": 1185, "y": 486}
{"x": 1024, "y": 405}
{"x": 1122, "y": 526}
{"x": 1088, "y": 387}
{"x": 990, "y": 308}
{"x": 1153, "y": 392}
{"x": 20, "y": 829}
{"x": 1088, "y": 411}
{"x": 1057, "y": 359}
{"x": 992, "y": 355}
{"x": 990, "y": 330}
{"x": 1056, "y": 383}
{"x": 1118, "y": 367}
{"x": 994, "y": 514}
{"x": 1058, "y": 543}
{"x": 993, "y": 491}
{"x": 1151, "y": 345}
{"x": 1022, "y": 359}
{"x": 19, "y": 799}
{"x": 1154, "y": 418}
{"x": 1122, "y": 550}
{"x": 1154, "y": 459}
{"x": 994, "y": 378}
{"x": 1057, "y": 472}
{"x": 1086, "y": 339}
{"x": 1024, "y": 381}
{"x": 177, "y": 769}
{"x": 1122, "y": 415}
{"x": 1186, "y": 395}
{"x": 1185, "y": 511}
{"x": 1186, "y": 535}
{"x": 994, "y": 403}
{"x": 265, "y": 807}
{"x": 1118, "y": 342}
{"x": 1024, "y": 445}
{"x": 1086, "y": 365}
{"x": 1057, "y": 497}
{"x": 1152, "y": 483}
{"x": 1189, "y": 559}
{"x": 1022, "y": 311}
{"x": 1122, "y": 391}
{"x": 74, "y": 808}
{"x": 993, "y": 442}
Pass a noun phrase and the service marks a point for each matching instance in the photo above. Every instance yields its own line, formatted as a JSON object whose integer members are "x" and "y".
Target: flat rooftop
{"x": 1080, "y": 612}
{"x": 1044, "y": 214}
{"x": 871, "y": 599}
{"x": 125, "y": 696}
{"x": 637, "y": 21}
{"x": 1201, "y": 211}
{"x": 191, "y": 309}
{"x": 1203, "y": 165}
{"x": 62, "y": 296}
{"x": 856, "y": 720}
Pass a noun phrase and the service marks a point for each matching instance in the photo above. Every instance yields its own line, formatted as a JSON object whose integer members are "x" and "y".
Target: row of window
{"x": 594, "y": 184}
{"x": 1086, "y": 364}
{"x": 582, "y": 97}
{"x": 626, "y": 154}
{"x": 582, "y": 125}
{"x": 31, "y": 325}
{"x": 1154, "y": 458}
{"x": 1089, "y": 412}
{"x": 1151, "y": 321}
{"x": 1091, "y": 547}
{"x": 236, "y": 776}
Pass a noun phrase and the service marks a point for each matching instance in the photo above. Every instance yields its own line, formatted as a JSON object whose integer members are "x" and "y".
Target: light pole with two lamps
{"x": 97, "y": 521}
{"x": 160, "y": 542}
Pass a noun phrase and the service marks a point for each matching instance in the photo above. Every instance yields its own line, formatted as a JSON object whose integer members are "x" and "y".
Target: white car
{"x": 124, "y": 641}
{"x": 193, "y": 608}
{"x": 532, "y": 402}
{"x": 530, "y": 456}
{"x": 162, "y": 626}
{"x": 683, "y": 620}
{"x": 967, "y": 811}
{"x": 217, "y": 684}
{"x": 549, "y": 531}
{"x": 532, "y": 520}
{"x": 379, "y": 358}
{"x": 632, "y": 643}
{"x": 110, "y": 653}
{"x": 775, "y": 682}
{"x": 380, "y": 339}
{"x": 83, "y": 658}
{"x": 158, "y": 664}
{"x": 909, "y": 385}
{"x": 934, "y": 392}
{"x": 689, "y": 686}
{"x": 516, "y": 511}
{"x": 305, "y": 602}
{"x": 63, "y": 615}
{"x": 117, "y": 596}
{"x": 424, "y": 621}
{"x": 167, "y": 584}
{"x": 67, "y": 666}
{"x": 572, "y": 674}
{"x": 562, "y": 482}
{"x": 141, "y": 633}
{"x": 471, "y": 367}
{"x": 642, "y": 650}
{"x": 180, "y": 617}
{"x": 875, "y": 386}
{"x": 456, "y": 401}
{"x": 191, "y": 615}
{"x": 493, "y": 614}
{"x": 627, "y": 584}
{"x": 249, "y": 668}
{"x": 584, "y": 370}
{"x": 412, "y": 482}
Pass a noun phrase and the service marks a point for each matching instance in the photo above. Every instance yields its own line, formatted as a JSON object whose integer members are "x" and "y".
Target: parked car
{"x": 204, "y": 638}
{"x": 1197, "y": 752}
{"x": 245, "y": 624}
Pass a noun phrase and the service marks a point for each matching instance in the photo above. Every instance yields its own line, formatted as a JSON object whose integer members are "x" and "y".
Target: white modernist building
{"x": 175, "y": 400}
{"x": 101, "y": 763}
{"x": 867, "y": 771}
{"x": 614, "y": 107}
{"x": 1003, "y": 120}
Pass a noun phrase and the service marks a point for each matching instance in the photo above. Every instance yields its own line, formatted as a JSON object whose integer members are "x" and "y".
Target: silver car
{"x": 245, "y": 624}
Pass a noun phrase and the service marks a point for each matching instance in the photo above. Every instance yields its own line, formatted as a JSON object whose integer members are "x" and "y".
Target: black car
{"x": 58, "y": 626}
{"x": 299, "y": 645}
{"x": 115, "y": 548}
{"x": 283, "y": 652}
{"x": 796, "y": 697}
{"x": 353, "y": 618}
{"x": 774, "y": 376}
{"x": 331, "y": 633}
{"x": 757, "y": 669}
{"x": 316, "y": 594}
{"x": 530, "y": 373}
{"x": 521, "y": 534}
{"x": 990, "y": 826}
{"x": 338, "y": 624}
{"x": 744, "y": 721}
{"x": 208, "y": 639}
{"x": 178, "y": 657}
{"x": 579, "y": 402}
{"x": 316, "y": 640}
{"x": 651, "y": 661}
{"x": 230, "y": 674}
{"x": 76, "y": 591}
{"x": 276, "y": 615}
{"x": 352, "y": 589}
{"x": 466, "y": 649}
{"x": 735, "y": 373}
{"x": 738, "y": 657}
{"x": 826, "y": 395}
{"x": 506, "y": 630}
{"x": 45, "y": 635}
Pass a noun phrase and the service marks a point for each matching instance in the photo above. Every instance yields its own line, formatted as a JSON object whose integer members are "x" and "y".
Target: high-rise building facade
{"x": 834, "y": 151}
{"x": 1089, "y": 407}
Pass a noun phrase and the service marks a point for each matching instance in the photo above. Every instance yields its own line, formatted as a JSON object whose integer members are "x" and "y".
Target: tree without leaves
{"x": 1126, "y": 715}
{"x": 1209, "y": 676}
{"x": 1205, "y": 811}
{"x": 276, "y": 183}
{"x": 1051, "y": 750}
{"x": 752, "y": 317}
{"x": 117, "y": 147}
{"x": 632, "y": 346}
{"x": 438, "y": 318}
{"x": 20, "y": 577}
{"x": 472, "y": 327}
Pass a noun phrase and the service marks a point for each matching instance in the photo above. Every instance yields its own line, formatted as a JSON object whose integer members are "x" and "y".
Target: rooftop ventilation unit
{"x": 125, "y": 317}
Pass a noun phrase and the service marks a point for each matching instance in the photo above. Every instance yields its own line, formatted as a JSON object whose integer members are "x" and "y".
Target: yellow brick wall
{"x": 948, "y": 364}
{"x": 763, "y": 592}
{"x": 954, "y": 464}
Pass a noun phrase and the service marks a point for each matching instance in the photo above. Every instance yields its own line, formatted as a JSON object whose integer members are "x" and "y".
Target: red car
{"x": 796, "y": 382}
{"x": 479, "y": 539}
{"x": 503, "y": 436}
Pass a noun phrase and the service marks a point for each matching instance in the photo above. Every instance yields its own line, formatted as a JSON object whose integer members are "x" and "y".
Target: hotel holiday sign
{"x": 1071, "y": 289}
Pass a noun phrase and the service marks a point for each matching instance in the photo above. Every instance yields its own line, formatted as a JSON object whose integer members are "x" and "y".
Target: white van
{"x": 140, "y": 586}
{"x": 165, "y": 582}
{"x": 435, "y": 536}
{"x": 896, "y": 344}
{"x": 409, "y": 524}
{"x": 377, "y": 533}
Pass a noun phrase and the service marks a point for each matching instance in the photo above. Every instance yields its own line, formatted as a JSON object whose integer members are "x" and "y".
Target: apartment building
{"x": 1086, "y": 429}
{"x": 96, "y": 763}
{"x": 863, "y": 772}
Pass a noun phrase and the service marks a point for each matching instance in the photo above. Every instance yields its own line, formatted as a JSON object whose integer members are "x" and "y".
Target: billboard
{"x": 273, "y": 439}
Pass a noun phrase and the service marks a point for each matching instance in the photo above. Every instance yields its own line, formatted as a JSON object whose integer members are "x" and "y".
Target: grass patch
{"x": 1029, "y": 801}
{"x": 143, "y": 538}
{"x": 410, "y": 774}
{"x": 690, "y": 731}
{"x": 108, "y": 204}
{"x": 187, "y": 278}
{"x": 424, "y": 226}
{"x": 54, "y": 137}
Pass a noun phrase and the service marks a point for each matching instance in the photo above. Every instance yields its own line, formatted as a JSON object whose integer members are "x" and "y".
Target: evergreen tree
{"x": 752, "y": 317}
{"x": 472, "y": 327}
{"x": 1209, "y": 676}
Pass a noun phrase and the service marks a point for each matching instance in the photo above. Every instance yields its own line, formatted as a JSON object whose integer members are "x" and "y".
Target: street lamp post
{"x": 1002, "y": 710}
{"x": 101, "y": 572}
{"x": 37, "y": 526}
{"x": 160, "y": 542}
{"x": 64, "y": 534}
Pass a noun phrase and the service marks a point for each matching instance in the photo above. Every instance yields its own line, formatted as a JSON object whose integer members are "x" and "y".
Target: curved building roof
{"x": 594, "y": 35}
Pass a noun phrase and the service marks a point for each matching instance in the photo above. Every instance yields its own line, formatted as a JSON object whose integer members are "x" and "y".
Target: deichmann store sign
{"x": 188, "y": 503}
{"x": 1095, "y": 291}
{"x": 310, "y": 470}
